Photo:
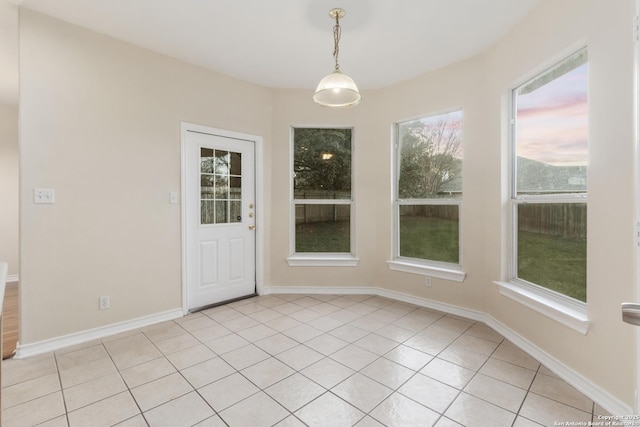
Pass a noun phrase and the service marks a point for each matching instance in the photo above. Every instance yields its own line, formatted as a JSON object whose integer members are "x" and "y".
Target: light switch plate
{"x": 173, "y": 197}
{"x": 43, "y": 195}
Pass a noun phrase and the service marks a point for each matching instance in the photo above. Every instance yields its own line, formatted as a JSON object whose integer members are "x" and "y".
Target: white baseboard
{"x": 45, "y": 346}
{"x": 603, "y": 398}
{"x": 610, "y": 403}
{"x": 13, "y": 278}
{"x": 434, "y": 305}
{"x": 372, "y": 290}
{"x": 319, "y": 290}
{"x": 584, "y": 385}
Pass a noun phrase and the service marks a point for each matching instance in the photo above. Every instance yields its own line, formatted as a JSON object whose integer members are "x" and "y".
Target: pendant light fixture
{"x": 337, "y": 89}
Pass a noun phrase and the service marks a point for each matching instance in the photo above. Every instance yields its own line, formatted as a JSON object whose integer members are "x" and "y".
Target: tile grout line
{"x": 260, "y": 389}
{"x": 64, "y": 400}
{"x": 384, "y": 319}
{"x": 415, "y": 373}
{"x": 124, "y": 382}
{"x": 382, "y": 357}
{"x": 263, "y": 390}
{"x": 326, "y": 390}
{"x": 527, "y": 394}
{"x": 460, "y": 391}
{"x": 179, "y": 371}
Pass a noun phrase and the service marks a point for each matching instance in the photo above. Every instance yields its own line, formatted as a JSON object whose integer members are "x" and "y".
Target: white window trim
{"x": 561, "y": 308}
{"x": 569, "y": 312}
{"x": 316, "y": 259}
{"x": 441, "y": 270}
{"x": 321, "y": 259}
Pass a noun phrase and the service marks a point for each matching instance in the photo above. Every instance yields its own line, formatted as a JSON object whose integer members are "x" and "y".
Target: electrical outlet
{"x": 104, "y": 303}
{"x": 43, "y": 195}
{"x": 427, "y": 281}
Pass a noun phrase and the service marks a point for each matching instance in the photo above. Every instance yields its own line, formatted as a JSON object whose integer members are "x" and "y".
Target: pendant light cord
{"x": 336, "y": 41}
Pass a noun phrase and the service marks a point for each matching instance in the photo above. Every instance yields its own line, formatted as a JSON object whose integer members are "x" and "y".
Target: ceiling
{"x": 284, "y": 43}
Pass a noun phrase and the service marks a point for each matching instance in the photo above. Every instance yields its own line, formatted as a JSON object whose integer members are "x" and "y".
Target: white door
{"x": 220, "y": 218}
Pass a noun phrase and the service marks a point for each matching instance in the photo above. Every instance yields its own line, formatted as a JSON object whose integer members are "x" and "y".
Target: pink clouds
{"x": 552, "y": 121}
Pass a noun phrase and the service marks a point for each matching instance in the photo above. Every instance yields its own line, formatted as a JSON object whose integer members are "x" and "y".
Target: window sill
{"x": 452, "y": 272}
{"x": 570, "y": 315}
{"x": 321, "y": 260}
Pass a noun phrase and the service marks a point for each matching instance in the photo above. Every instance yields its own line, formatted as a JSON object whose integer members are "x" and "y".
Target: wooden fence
{"x": 310, "y": 213}
{"x": 321, "y": 195}
{"x": 306, "y": 214}
{"x": 567, "y": 220}
{"x": 431, "y": 211}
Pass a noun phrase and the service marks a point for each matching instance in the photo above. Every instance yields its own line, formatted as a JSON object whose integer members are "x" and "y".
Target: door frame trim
{"x": 259, "y": 198}
{"x": 636, "y": 137}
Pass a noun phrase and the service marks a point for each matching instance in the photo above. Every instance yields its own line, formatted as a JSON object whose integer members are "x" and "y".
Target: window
{"x": 549, "y": 182}
{"x": 220, "y": 186}
{"x": 429, "y": 194}
{"x": 322, "y": 197}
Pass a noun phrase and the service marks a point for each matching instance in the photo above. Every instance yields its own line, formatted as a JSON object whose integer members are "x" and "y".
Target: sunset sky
{"x": 552, "y": 121}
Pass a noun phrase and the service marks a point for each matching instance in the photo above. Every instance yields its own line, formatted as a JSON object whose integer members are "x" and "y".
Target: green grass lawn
{"x": 328, "y": 236}
{"x": 555, "y": 263}
{"x": 434, "y": 239}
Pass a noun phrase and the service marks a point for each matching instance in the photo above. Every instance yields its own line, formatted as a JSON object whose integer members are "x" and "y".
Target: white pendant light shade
{"x": 337, "y": 90}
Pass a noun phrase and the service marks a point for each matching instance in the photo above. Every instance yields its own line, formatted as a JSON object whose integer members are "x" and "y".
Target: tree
{"x": 322, "y": 162}
{"x": 430, "y": 157}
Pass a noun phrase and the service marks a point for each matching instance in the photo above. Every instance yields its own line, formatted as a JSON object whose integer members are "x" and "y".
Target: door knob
{"x": 631, "y": 313}
{"x": 252, "y": 227}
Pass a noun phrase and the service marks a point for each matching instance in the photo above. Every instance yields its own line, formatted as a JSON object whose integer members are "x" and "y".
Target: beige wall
{"x": 100, "y": 124}
{"x": 606, "y": 355}
{"x": 454, "y": 87}
{"x": 371, "y": 185}
{"x": 9, "y": 187}
{"x": 480, "y": 86}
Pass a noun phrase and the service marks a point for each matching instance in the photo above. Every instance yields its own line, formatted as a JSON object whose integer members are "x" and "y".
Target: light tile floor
{"x": 294, "y": 360}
